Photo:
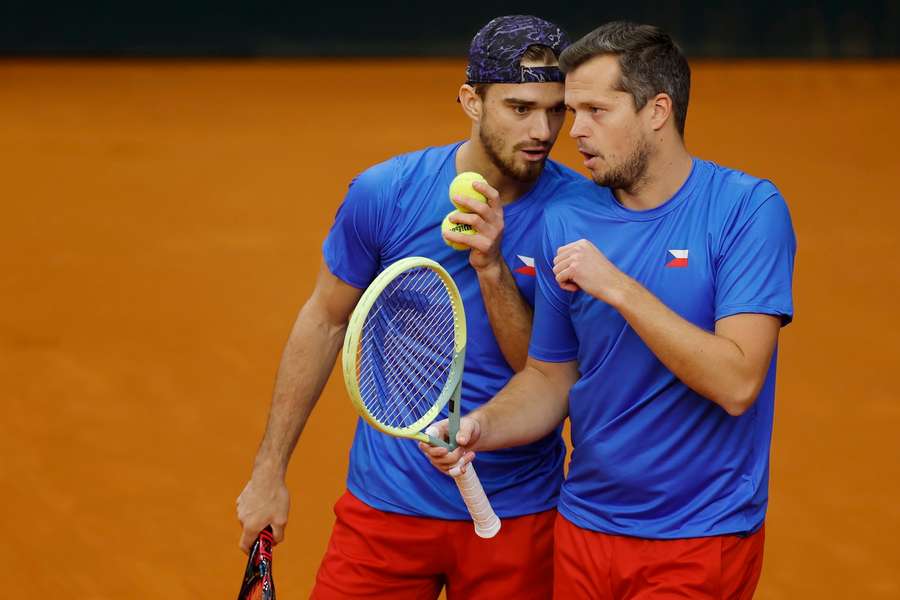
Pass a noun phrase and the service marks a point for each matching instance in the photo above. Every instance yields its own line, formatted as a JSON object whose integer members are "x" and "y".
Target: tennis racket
{"x": 403, "y": 360}
{"x": 258, "y": 583}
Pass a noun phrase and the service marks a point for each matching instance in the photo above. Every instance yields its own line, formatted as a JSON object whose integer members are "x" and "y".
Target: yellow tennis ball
{"x": 462, "y": 186}
{"x": 448, "y": 225}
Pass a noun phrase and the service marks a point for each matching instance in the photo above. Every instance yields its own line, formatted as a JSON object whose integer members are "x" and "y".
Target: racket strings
{"x": 405, "y": 411}
{"x": 393, "y": 407}
{"x": 407, "y": 348}
{"x": 413, "y": 380}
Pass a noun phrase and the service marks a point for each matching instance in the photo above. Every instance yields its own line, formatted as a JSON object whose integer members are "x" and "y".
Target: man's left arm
{"x": 509, "y": 314}
{"x": 728, "y": 366}
{"x": 753, "y": 298}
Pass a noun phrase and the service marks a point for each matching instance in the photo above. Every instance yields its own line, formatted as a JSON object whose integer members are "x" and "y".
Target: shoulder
{"x": 575, "y": 213}
{"x": 561, "y": 183}
{"x": 559, "y": 174}
{"x": 735, "y": 192}
{"x": 570, "y": 193}
{"x": 744, "y": 206}
{"x": 397, "y": 171}
{"x": 376, "y": 179}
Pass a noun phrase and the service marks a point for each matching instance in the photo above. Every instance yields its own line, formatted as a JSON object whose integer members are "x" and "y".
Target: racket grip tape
{"x": 487, "y": 524}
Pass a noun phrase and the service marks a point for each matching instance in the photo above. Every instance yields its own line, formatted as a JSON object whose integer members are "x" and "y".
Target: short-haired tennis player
{"x": 402, "y": 529}
{"x": 656, "y": 325}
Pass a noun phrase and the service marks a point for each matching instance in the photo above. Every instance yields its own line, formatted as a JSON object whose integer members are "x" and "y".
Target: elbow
{"x": 740, "y": 399}
{"x": 736, "y": 407}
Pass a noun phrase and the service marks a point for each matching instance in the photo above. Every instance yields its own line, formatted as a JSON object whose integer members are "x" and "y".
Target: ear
{"x": 471, "y": 102}
{"x": 660, "y": 110}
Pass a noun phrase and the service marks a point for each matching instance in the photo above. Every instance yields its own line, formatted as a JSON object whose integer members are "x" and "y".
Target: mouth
{"x": 588, "y": 157}
{"x": 535, "y": 153}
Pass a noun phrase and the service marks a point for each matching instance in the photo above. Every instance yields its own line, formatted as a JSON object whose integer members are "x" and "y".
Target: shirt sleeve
{"x": 553, "y": 337}
{"x": 756, "y": 264}
{"x": 352, "y": 249}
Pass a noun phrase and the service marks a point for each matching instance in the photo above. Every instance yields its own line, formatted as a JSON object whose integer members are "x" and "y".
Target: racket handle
{"x": 487, "y": 524}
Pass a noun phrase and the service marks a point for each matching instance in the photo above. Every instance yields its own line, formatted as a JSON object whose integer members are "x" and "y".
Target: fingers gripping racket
{"x": 403, "y": 360}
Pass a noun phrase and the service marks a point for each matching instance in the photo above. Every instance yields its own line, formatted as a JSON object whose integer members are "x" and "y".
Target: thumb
{"x": 468, "y": 432}
{"x": 247, "y": 539}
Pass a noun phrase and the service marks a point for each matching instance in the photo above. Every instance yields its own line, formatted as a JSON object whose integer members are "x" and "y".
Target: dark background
{"x": 798, "y": 29}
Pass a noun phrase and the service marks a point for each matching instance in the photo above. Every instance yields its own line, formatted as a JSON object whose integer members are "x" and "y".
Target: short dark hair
{"x": 536, "y": 53}
{"x": 648, "y": 58}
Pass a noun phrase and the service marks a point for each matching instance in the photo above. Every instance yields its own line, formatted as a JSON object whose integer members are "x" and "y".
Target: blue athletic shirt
{"x": 652, "y": 458}
{"x": 394, "y": 210}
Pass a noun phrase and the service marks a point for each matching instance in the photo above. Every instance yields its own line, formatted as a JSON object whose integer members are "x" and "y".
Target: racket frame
{"x": 450, "y": 393}
{"x": 486, "y": 522}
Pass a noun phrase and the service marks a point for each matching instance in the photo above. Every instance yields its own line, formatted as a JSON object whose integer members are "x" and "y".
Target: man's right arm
{"x": 536, "y": 400}
{"x": 306, "y": 363}
{"x": 529, "y": 407}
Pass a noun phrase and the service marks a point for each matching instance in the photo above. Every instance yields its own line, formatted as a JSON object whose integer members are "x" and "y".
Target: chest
{"x": 416, "y": 231}
{"x": 673, "y": 258}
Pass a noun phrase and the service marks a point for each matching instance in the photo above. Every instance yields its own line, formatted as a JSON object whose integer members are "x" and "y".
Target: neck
{"x": 471, "y": 156}
{"x": 667, "y": 171}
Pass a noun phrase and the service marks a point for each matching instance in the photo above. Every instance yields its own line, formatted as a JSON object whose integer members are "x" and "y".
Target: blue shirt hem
{"x": 646, "y": 534}
{"x": 736, "y": 309}
{"x": 360, "y": 285}
{"x": 552, "y": 355}
{"x": 379, "y": 504}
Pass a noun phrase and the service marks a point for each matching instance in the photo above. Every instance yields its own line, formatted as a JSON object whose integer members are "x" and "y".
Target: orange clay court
{"x": 161, "y": 225}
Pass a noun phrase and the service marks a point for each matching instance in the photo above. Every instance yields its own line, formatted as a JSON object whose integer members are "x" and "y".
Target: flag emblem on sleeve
{"x": 527, "y": 267}
{"x": 679, "y": 258}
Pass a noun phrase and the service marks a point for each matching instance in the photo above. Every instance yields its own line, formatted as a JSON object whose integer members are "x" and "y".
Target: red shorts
{"x": 375, "y": 554}
{"x": 600, "y": 566}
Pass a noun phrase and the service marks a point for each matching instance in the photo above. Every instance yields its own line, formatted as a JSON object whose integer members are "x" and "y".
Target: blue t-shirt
{"x": 394, "y": 210}
{"x": 651, "y": 457}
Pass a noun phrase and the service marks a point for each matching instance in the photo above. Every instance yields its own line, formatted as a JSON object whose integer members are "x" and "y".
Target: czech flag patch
{"x": 679, "y": 259}
{"x": 528, "y": 267}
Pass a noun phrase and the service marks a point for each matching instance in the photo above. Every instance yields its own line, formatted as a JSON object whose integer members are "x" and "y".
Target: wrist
{"x": 268, "y": 468}
{"x": 624, "y": 293}
{"x": 491, "y": 271}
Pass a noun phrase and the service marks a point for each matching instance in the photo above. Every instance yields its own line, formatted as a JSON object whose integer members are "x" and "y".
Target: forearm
{"x": 306, "y": 363}
{"x": 712, "y": 365}
{"x": 509, "y": 315}
{"x": 527, "y": 409}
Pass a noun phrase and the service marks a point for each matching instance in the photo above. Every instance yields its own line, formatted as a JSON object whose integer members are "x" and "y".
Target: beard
{"x": 506, "y": 163}
{"x": 628, "y": 174}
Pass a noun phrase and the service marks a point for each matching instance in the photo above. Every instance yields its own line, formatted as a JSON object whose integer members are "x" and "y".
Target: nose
{"x": 540, "y": 126}
{"x": 579, "y": 127}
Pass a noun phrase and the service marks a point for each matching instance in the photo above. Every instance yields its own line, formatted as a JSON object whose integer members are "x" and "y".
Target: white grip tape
{"x": 487, "y": 524}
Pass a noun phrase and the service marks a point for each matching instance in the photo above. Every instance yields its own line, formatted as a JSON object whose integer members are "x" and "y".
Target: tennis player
{"x": 656, "y": 325}
{"x": 402, "y": 529}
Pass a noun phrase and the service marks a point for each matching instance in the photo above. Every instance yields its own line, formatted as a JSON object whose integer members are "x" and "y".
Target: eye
{"x": 558, "y": 110}
{"x": 597, "y": 110}
{"x": 520, "y": 110}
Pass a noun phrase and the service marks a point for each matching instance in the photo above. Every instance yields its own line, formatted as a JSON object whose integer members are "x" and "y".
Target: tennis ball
{"x": 448, "y": 225}
{"x": 462, "y": 186}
